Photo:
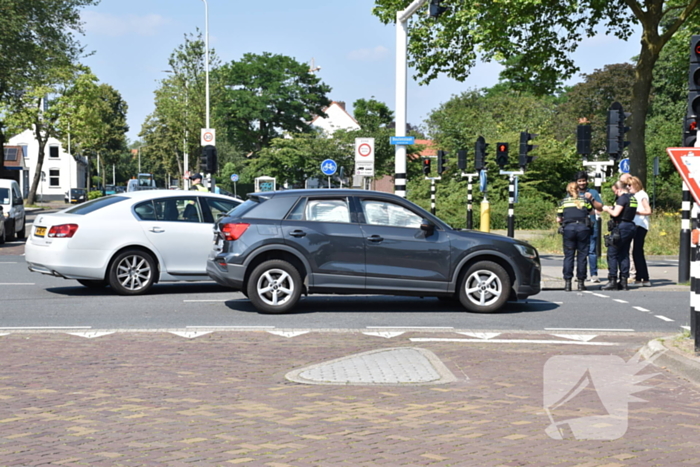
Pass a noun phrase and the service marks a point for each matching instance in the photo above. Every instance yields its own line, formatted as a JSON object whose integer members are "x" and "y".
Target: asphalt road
{"x": 32, "y": 300}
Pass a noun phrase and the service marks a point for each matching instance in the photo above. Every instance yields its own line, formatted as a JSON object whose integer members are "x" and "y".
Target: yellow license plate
{"x": 40, "y": 232}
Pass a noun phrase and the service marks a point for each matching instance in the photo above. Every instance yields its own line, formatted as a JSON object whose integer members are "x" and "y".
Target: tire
{"x": 2, "y": 237}
{"x": 484, "y": 288}
{"x": 93, "y": 284}
{"x": 132, "y": 272}
{"x": 22, "y": 234}
{"x": 274, "y": 287}
{"x": 10, "y": 234}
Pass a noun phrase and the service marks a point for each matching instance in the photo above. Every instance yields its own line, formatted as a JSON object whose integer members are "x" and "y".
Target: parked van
{"x": 12, "y": 209}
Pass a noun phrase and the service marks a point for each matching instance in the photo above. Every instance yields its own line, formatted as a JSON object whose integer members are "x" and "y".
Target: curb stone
{"x": 672, "y": 360}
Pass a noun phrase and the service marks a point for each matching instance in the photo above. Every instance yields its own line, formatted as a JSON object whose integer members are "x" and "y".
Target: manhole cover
{"x": 403, "y": 365}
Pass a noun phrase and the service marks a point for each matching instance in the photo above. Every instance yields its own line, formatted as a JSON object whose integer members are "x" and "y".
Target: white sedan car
{"x": 129, "y": 240}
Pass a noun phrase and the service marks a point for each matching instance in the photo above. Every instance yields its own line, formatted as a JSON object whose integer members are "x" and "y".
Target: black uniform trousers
{"x": 619, "y": 255}
{"x": 577, "y": 239}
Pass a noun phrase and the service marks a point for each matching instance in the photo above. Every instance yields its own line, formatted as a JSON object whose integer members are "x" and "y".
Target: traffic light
{"x": 502, "y": 154}
{"x": 690, "y": 125}
{"x": 583, "y": 140}
{"x": 480, "y": 153}
{"x": 525, "y": 148}
{"x": 462, "y": 159}
{"x": 426, "y": 166}
{"x": 441, "y": 156}
{"x": 208, "y": 162}
{"x": 435, "y": 9}
{"x": 616, "y": 130}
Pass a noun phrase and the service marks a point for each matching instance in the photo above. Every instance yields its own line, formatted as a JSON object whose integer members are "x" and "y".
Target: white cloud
{"x": 375, "y": 54}
{"x": 116, "y": 26}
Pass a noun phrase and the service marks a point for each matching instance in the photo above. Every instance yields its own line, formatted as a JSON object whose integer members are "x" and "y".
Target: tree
{"x": 535, "y": 40}
{"x": 263, "y": 96}
{"x": 372, "y": 114}
{"x": 36, "y": 37}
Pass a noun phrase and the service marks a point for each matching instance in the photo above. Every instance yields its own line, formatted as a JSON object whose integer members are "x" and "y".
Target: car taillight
{"x": 63, "y": 231}
{"x": 233, "y": 231}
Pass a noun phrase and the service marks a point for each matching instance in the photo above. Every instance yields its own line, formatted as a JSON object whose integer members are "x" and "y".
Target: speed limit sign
{"x": 208, "y": 137}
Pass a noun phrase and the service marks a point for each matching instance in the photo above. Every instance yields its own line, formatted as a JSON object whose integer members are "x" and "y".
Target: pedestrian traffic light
{"x": 525, "y": 148}
{"x": 441, "y": 156}
{"x": 462, "y": 159}
{"x": 502, "y": 154}
{"x": 480, "y": 153}
{"x": 583, "y": 140}
{"x": 435, "y": 9}
{"x": 426, "y": 166}
{"x": 616, "y": 130}
{"x": 690, "y": 125}
{"x": 209, "y": 160}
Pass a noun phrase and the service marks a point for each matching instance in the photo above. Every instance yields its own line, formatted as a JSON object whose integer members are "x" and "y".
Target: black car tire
{"x": 22, "y": 234}
{"x": 10, "y": 233}
{"x": 2, "y": 237}
{"x": 93, "y": 284}
{"x": 274, "y": 287}
{"x": 484, "y": 288}
{"x": 132, "y": 272}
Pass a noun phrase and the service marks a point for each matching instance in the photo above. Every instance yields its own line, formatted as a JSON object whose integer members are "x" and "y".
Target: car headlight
{"x": 527, "y": 251}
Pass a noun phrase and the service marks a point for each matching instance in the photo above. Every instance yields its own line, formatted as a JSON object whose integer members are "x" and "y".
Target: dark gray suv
{"x": 278, "y": 245}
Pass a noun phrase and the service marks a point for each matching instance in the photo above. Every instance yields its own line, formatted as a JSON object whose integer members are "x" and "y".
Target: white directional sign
{"x": 364, "y": 157}
{"x": 208, "y": 137}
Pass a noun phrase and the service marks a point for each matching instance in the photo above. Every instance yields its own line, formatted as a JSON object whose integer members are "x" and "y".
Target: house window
{"x": 54, "y": 177}
{"x": 10, "y": 154}
{"x": 53, "y": 152}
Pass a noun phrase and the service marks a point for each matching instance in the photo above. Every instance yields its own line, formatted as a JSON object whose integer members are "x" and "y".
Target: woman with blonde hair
{"x": 574, "y": 216}
{"x": 641, "y": 220}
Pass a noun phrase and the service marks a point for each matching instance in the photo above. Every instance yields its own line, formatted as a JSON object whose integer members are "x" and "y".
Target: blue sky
{"x": 131, "y": 41}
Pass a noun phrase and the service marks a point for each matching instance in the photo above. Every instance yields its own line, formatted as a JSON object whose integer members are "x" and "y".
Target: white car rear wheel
{"x": 132, "y": 272}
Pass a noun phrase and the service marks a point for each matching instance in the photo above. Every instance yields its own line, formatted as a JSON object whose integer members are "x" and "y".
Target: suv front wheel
{"x": 484, "y": 288}
{"x": 274, "y": 287}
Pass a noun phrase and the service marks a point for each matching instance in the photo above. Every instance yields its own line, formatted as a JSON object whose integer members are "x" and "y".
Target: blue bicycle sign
{"x": 328, "y": 167}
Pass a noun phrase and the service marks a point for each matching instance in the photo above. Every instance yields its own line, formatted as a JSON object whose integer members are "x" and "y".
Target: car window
{"x": 145, "y": 211}
{"x": 4, "y": 196}
{"x": 327, "y": 210}
{"x": 95, "y": 204}
{"x": 220, "y": 207}
{"x": 275, "y": 207}
{"x": 387, "y": 213}
{"x": 185, "y": 209}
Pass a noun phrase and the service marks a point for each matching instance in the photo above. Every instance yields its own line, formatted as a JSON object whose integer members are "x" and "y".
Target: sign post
{"x": 364, "y": 157}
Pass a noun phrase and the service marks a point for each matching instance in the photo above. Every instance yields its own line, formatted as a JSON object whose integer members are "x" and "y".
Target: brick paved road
{"x": 137, "y": 399}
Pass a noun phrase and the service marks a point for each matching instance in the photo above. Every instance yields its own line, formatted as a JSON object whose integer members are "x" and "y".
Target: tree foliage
{"x": 263, "y": 96}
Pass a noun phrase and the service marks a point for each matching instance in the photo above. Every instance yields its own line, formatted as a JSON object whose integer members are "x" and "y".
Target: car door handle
{"x": 157, "y": 230}
{"x": 297, "y": 233}
{"x": 375, "y": 238}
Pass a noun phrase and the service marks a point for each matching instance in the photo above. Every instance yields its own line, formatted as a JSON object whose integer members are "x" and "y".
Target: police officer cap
{"x": 581, "y": 174}
{"x": 196, "y": 176}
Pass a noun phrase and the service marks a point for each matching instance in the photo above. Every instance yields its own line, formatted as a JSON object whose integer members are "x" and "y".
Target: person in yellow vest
{"x": 622, "y": 230}
{"x": 574, "y": 216}
{"x": 197, "y": 183}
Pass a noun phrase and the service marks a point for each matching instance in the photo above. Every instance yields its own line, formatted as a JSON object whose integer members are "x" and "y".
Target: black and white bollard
{"x": 695, "y": 288}
{"x": 470, "y": 209}
{"x": 432, "y": 197}
{"x": 511, "y": 206}
{"x": 684, "y": 250}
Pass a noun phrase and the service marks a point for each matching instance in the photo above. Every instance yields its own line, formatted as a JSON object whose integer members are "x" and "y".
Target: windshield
{"x": 4, "y": 196}
{"x": 95, "y": 204}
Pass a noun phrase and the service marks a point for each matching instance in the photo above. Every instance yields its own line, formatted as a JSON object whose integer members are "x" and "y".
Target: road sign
{"x": 687, "y": 162}
{"x": 234, "y": 177}
{"x": 402, "y": 140}
{"x": 624, "y": 165}
{"x": 208, "y": 137}
{"x": 364, "y": 157}
{"x": 328, "y": 167}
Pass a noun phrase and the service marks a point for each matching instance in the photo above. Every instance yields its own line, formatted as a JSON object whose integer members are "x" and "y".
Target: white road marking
{"x": 199, "y": 301}
{"x": 663, "y": 318}
{"x": 230, "y": 327}
{"x": 589, "y": 329}
{"x": 640, "y": 308}
{"x": 384, "y": 334}
{"x": 190, "y": 334}
{"x": 17, "y": 328}
{"x": 481, "y": 335}
{"x": 600, "y": 295}
{"x": 288, "y": 333}
{"x": 576, "y": 337}
{"x": 91, "y": 334}
{"x": 619, "y": 301}
{"x": 508, "y": 341}
{"x": 17, "y": 283}
{"x": 410, "y": 327}
{"x": 687, "y": 328}
{"x": 8, "y": 262}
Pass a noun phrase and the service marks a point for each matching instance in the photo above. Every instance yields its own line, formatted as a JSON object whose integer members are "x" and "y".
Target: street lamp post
{"x": 402, "y": 17}
{"x": 206, "y": 57}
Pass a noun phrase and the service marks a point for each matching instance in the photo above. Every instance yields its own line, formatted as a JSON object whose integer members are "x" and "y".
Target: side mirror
{"x": 427, "y": 227}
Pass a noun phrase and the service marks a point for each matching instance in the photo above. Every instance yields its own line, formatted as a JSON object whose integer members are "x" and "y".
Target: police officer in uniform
{"x": 197, "y": 183}
{"x": 574, "y": 216}
{"x": 622, "y": 233}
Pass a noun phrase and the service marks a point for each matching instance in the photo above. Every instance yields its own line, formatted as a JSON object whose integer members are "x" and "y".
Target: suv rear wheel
{"x": 274, "y": 287}
{"x": 484, "y": 288}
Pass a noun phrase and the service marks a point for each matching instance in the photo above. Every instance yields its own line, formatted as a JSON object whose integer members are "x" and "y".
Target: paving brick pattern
{"x": 137, "y": 399}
